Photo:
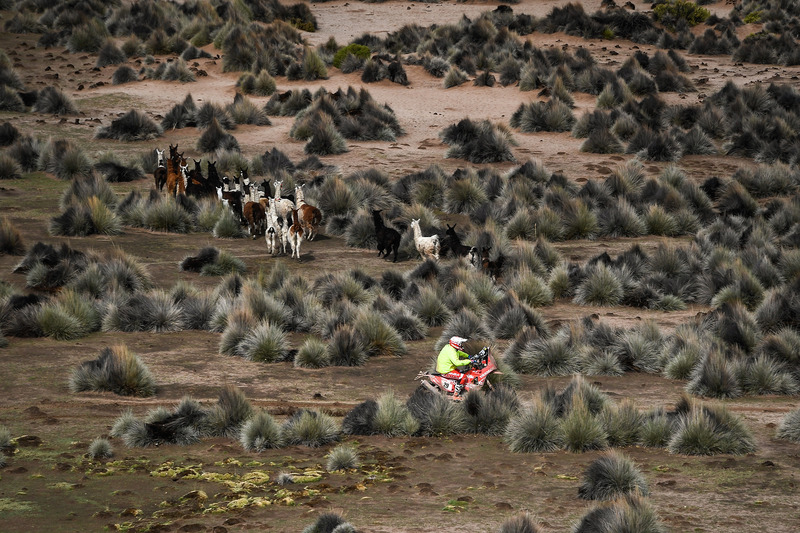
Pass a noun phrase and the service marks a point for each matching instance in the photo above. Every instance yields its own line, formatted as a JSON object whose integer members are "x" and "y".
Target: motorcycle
{"x": 481, "y": 366}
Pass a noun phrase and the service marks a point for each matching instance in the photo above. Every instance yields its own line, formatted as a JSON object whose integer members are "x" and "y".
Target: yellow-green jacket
{"x": 450, "y": 358}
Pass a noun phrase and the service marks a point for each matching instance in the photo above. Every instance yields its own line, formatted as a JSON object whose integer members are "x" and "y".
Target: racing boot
{"x": 457, "y": 393}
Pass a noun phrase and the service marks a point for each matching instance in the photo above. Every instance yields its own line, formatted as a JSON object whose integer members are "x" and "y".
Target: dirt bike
{"x": 482, "y": 364}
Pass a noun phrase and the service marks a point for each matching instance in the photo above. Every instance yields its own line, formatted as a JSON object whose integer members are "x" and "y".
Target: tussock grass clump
{"x": 583, "y": 430}
{"x": 378, "y": 336}
{"x": 214, "y": 138}
{"x": 226, "y": 418}
{"x": 8, "y": 134}
{"x": 430, "y": 308}
{"x": 656, "y": 429}
{"x": 244, "y": 111}
{"x": 437, "y": 416}
{"x": 489, "y": 413}
{"x": 312, "y": 354}
{"x": 524, "y": 523}
{"x": 611, "y": 476}
{"x": 346, "y": 348}
{"x": 116, "y": 370}
{"x": 132, "y": 126}
{"x": 789, "y": 428}
{"x": 228, "y": 226}
{"x": 329, "y": 522}
{"x": 155, "y": 311}
{"x": 534, "y": 429}
{"x": 100, "y": 448}
{"x": 267, "y": 343}
{"x": 342, "y": 457}
{"x": 310, "y": 428}
{"x": 360, "y": 419}
{"x": 10, "y": 100}
{"x": 54, "y": 102}
{"x": 393, "y": 418}
{"x": 553, "y": 115}
{"x": 478, "y": 142}
{"x": 225, "y": 263}
{"x": 10, "y": 169}
{"x": 261, "y": 432}
{"x": 622, "y": 423}
{"x": 549, "y": 357}
{"x": 167, "y": 215}
{"x": 704, "y": 430}
{"x": 10, "y": 239}
{"x": 601, "y": 287}
{"x": 88, "y": 37}
{"x": 56, "y": 322}
{"x": 455, "y": 76}
{"x": 261, "y": 84}
{"x": 109, "y": 54}
{"x": 464, "y": 195}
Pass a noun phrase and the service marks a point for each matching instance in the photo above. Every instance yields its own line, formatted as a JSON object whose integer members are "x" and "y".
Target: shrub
{"x": 601, "y": 141}
{"x": 534, "y": 429}
{"x": 55, "y": 102}
{"x": 261, "y": 432}
{"x": 675, "y": 10}
{"x": 116, "y": 370}
{"x": 611, "y": 476}
{"x": 357, "y": 50}
{"x": 310, "y": 428}
{"x": 342, "y": 457}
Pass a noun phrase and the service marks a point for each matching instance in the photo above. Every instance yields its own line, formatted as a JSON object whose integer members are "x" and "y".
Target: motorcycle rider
{"x": 451, "y": 357}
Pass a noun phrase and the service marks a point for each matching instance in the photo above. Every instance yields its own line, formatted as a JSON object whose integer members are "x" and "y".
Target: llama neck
{"x": 417, "y": 231}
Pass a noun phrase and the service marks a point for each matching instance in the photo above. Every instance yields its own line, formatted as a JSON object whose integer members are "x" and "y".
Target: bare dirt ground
{"x": 404, "y": 484}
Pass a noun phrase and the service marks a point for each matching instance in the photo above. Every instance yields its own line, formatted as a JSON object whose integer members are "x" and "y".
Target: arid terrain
{"x": 411, "y": 484}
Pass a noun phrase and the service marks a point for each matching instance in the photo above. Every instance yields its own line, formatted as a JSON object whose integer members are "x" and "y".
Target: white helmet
{"x": 457, "y": 342}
